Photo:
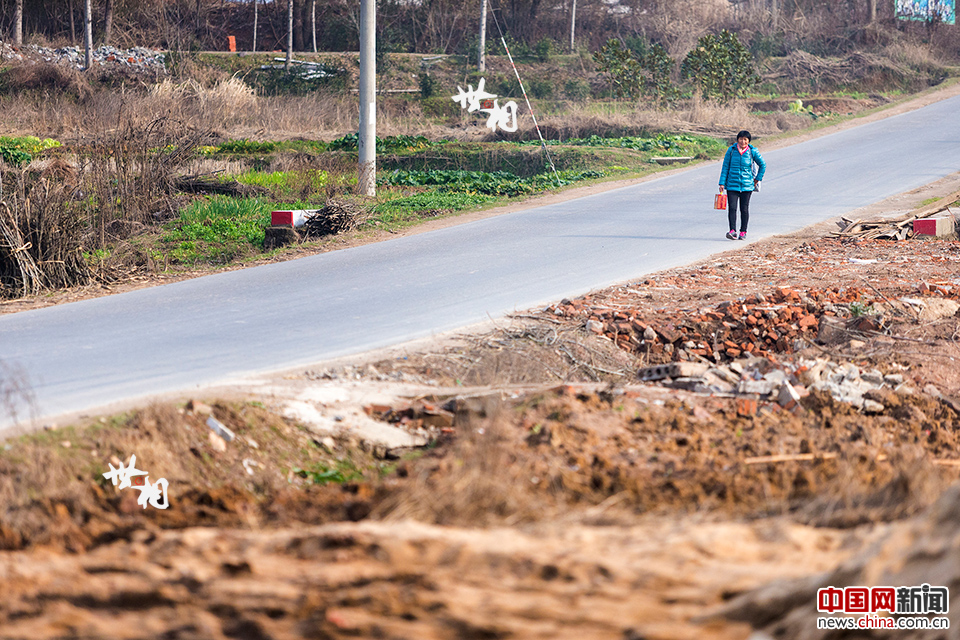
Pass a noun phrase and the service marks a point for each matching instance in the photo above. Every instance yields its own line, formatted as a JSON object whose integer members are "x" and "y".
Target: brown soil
{"x": 559, "y": 497}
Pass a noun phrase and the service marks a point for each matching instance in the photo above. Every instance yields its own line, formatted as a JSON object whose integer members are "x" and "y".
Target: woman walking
{"x": 738, "y": 180}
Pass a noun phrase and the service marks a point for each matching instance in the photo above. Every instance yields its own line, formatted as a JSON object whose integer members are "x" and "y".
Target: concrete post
{"x": 366, "y": 181}
{"x": 289, "y": 34}
{"x": 482, "y": 54}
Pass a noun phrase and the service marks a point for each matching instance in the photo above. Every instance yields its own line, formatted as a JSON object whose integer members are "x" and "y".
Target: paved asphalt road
{"x": 83, "y": 355}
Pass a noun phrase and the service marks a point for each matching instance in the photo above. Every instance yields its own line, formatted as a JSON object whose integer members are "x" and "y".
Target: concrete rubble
{"x": 747, "y": 348}
{"x": 785, "y": 384}
{"x": 137, "y": 60}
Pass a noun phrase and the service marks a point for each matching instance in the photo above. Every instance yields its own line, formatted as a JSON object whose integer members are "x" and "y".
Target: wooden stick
{"x": 790, "y": 457}
{"x": 947, "y": 463}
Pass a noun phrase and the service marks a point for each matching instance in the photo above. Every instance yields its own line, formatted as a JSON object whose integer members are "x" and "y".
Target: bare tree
{"x": 88, "y": 34}
{"x": 872, "y": 6}
{"x": 107, "y": 21}
{"x": 18, "y": 23}
{"x": 255, "y": 17}
{"x": 73, "y": 26}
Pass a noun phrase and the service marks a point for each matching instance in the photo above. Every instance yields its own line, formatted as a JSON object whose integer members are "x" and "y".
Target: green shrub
{"x": 492, "y": 183}
{"x": 300, "y": 80}
{"x": 541, "y": 89}
{"x": 543, "y": 49}
{"x": 659, "y": 66}
{"x": 637, "y": 45}
{"x": 720, "y": 67}
{"x": 407, "y": 207}
{"x": 14, "y": 156}
{"x": 632, "y": 76}
{"x": 518, "y": 48}
{"x": 246, "y": 146}
{"x": 31, "y": 144}
{"x": 622, "y": 69}
{"x": 351, "y": 141}
{"x": 429, "y": 86}
{"x": 766, "y": 46}
{"x": 576, "y": 89}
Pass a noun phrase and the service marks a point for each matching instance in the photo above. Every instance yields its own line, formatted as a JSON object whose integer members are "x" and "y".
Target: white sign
{"x": 129, "y": 476}
{"x": 478, "y": 99}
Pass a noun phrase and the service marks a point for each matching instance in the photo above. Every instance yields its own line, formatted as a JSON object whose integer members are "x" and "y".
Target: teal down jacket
{"x": 737, "y": 172}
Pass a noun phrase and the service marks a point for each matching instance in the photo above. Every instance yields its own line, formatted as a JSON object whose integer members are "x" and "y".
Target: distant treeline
{"x": 439, "y": 26}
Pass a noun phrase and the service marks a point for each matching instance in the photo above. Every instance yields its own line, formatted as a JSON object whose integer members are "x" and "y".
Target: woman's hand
{"x": 721, "y": 188}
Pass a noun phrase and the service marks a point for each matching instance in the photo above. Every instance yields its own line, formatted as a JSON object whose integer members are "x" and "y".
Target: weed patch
{"x": 217, "y": 229}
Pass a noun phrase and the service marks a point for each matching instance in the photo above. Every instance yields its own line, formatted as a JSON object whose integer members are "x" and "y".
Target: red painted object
{"x": 281, "y": 218}
{"x": 720, "y": 201}
{"x": 939, "y": 226}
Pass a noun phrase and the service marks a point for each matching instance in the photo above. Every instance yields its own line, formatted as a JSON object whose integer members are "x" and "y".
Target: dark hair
{"x": 744, "y": 134}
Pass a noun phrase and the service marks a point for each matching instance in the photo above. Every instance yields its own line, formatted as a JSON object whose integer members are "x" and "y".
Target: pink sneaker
{"x": 743, "y": 235}
{"x": 732, "y": 234}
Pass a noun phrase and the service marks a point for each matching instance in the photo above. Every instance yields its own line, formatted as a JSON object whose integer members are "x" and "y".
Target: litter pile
{"x": 753, "y": 380}
{"x": 138, "y": 60}
{"x": 935, "y": 219}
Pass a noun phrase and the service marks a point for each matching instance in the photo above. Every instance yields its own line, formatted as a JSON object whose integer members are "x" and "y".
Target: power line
{"x": 543, "y": 144}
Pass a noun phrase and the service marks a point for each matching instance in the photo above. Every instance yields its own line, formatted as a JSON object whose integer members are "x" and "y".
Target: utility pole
{"x": 573, "y": 22}
{"x": 367, "y": 138}
{"x": 482, "y": 55}
{"x": 289, "y": 35}
{"x": 88, "y": 35}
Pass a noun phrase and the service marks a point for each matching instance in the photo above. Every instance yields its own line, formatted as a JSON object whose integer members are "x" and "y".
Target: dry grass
{"x": 119, "y": 184}
{"x": 16, "y": 394}
{"x": 527, "y": 354}
{"x": 228, "y": 107}
{"x": 42, "y": 225}
{"x": 484, "y": 479}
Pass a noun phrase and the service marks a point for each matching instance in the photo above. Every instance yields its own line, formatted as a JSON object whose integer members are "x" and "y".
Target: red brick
{"x": 746, "y": 406}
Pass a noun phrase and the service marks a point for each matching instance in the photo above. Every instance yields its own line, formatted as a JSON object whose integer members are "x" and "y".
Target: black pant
{"x": 744, "y": 198}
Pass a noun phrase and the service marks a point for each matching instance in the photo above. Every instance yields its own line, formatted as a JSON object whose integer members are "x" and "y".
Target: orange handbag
{"x": 720, "y": 201}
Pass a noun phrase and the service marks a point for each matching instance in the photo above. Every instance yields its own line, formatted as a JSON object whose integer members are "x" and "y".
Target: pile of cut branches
{"x": 337, "y": 216}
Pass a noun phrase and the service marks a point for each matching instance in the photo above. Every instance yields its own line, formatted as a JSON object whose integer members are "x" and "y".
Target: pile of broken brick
{"x": 731, "y": 349}
{"x": 759, "y": 325}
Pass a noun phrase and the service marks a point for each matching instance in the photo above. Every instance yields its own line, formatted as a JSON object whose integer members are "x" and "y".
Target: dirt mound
{"x": 927, "y": 551}
{"x": 611, "y": 508}
{"x": 54, "y": 493}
